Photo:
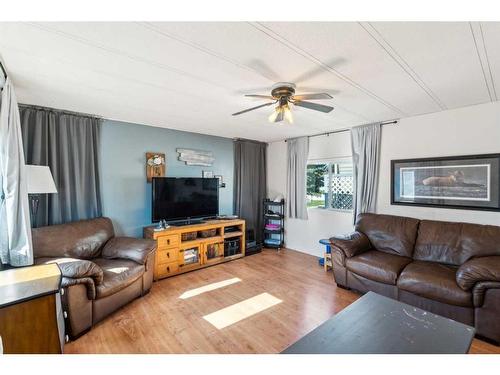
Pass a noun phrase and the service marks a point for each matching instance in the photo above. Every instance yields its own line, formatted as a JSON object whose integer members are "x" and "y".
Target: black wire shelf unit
{"x": 274, "y": 224}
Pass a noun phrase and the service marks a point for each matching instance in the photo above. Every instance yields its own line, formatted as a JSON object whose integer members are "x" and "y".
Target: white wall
{"x": 303, "y": 235}
{"x": 468, "y": 130}
{"x": 463, "y": 131}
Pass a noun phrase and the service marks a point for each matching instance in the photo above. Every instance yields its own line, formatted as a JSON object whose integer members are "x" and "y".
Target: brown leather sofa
{"x": 101, "y": 272}
{"x": 450, "y": 269}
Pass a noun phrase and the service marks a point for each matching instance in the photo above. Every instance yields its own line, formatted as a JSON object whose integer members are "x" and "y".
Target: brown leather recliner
{"x": 450, "y": 269}
{"x": 101, "y": 272}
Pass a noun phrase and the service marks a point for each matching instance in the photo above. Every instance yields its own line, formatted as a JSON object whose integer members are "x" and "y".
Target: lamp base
{"x": 34, "y": 202}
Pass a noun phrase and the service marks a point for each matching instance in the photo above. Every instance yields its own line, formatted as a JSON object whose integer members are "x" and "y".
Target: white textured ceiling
{"x": 192, "y": 76}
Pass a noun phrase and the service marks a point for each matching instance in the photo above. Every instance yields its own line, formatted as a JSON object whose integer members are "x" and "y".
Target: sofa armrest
{"x": 77, "y": 271}
{"x": 480, "y": 289}
{"x": 87, "y": 281}
{"x": 351, "y": 244}
{"x": 75, "y": 268}
{"x": 136, "y": 249}
{"x": 478, "y": 269}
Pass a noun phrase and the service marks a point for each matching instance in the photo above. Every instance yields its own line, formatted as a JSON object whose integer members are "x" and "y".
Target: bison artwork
{"x": 463, "y": 181}
{"x": 457, "y": 178}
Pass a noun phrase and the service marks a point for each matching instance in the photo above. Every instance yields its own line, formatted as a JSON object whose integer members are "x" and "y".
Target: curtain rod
{"x": 346, "y": 130}
{"x": 60, "y": 111}
{"x": 249, "y": 140}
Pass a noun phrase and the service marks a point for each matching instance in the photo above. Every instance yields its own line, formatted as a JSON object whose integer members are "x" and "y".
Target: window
{"x": 330, "y": 185}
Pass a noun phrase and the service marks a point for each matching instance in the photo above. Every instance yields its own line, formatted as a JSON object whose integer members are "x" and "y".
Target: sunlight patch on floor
{"x": 207, "y": 288}
{"x": 241, "y": 310}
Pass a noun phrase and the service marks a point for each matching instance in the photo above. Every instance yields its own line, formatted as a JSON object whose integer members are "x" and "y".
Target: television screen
{"x": 184, "y": 197}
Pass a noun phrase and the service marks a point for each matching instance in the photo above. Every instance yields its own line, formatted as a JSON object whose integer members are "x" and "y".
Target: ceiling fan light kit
{"x": 283, "y": 94}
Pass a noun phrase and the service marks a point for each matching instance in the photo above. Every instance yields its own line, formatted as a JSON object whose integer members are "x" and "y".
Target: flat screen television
{"x": 180, "y": 198}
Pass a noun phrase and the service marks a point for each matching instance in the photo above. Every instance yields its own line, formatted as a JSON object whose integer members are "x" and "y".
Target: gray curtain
{"x": 68, "y": 143}
{"x": 15, "y": 233}
{"x": 365, "y": 142}
{"x": 298, "y": 152}
{"x": 250, "y": 183}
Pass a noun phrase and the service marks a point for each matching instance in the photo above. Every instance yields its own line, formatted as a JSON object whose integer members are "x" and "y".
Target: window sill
{"x": 330, "y": 210}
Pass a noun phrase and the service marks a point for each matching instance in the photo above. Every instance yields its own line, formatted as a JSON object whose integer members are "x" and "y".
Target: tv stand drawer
{"x": 165, "y": 242}
{"x": 167, "y": 269}
{"x": 166, "y": 255}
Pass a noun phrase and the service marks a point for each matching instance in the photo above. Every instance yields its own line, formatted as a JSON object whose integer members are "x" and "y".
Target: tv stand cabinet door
{"x": 182, "y": 257}
{"x": 219, "y": 256}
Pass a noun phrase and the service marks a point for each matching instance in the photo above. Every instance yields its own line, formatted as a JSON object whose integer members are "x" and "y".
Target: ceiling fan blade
{"x": 321, "y": 69}
{"x": 301, "y": 88}
{"x": 314, "y": 106}
{"x": 317, "y": 96}
{"x": 251, "y": 109}
{"x": 264, "y": 70}
{"x": 259, "y": 96}
{"x": 267, "y": 89}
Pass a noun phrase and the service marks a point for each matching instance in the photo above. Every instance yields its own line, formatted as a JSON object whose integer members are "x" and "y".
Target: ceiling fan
{"x": 283, "y": 94}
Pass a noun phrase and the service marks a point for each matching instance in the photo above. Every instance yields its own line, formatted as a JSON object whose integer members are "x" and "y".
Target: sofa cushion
{"x": 434, "y": 281}
{"x": 80, "y": 239}
{"x": 390, "y": 234}
{"x": 455, "y": 243}
{"x": 117, "y": 275}
{"x": 378, "y": 266}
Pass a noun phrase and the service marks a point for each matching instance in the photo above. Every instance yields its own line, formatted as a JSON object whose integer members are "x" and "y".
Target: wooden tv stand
{"x": 175, "y": 256}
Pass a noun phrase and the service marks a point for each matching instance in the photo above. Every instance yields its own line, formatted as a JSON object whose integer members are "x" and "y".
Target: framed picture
{"x": 222, "y": 184}
{"x": 466, "y": 182}
{"x": 155, "y": 165}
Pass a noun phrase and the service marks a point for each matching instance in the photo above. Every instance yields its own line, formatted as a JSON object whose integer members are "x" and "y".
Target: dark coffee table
{"x": 379, "y": 325}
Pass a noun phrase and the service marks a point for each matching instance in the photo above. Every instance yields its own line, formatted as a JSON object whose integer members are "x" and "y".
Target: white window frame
{"x": 330, "y": 162}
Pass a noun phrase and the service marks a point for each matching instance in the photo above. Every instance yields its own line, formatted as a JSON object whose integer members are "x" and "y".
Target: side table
{"x": 29, "y": 310}
{"x": 327, "y": 260}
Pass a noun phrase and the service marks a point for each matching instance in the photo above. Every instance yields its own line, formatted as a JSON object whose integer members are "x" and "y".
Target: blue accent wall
{"x": 126, "y": 195}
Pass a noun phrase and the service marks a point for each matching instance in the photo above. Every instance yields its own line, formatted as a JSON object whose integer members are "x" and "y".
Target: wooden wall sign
{"x": 155, "y": 165}
{"x": 196, "y": 157}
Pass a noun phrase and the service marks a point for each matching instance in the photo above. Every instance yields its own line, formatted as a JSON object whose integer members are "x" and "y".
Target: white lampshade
{"x": 40, "y": 180}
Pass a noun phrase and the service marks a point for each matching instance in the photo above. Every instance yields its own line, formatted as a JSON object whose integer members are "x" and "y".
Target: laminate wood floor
{"x": 287, "y": 291}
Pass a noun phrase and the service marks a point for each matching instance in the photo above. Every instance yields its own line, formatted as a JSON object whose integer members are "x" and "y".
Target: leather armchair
{"x": 101, "y": 272}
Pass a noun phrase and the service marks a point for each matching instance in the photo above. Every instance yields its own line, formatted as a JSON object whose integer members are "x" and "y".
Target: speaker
{"x": 252, "y": 247}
